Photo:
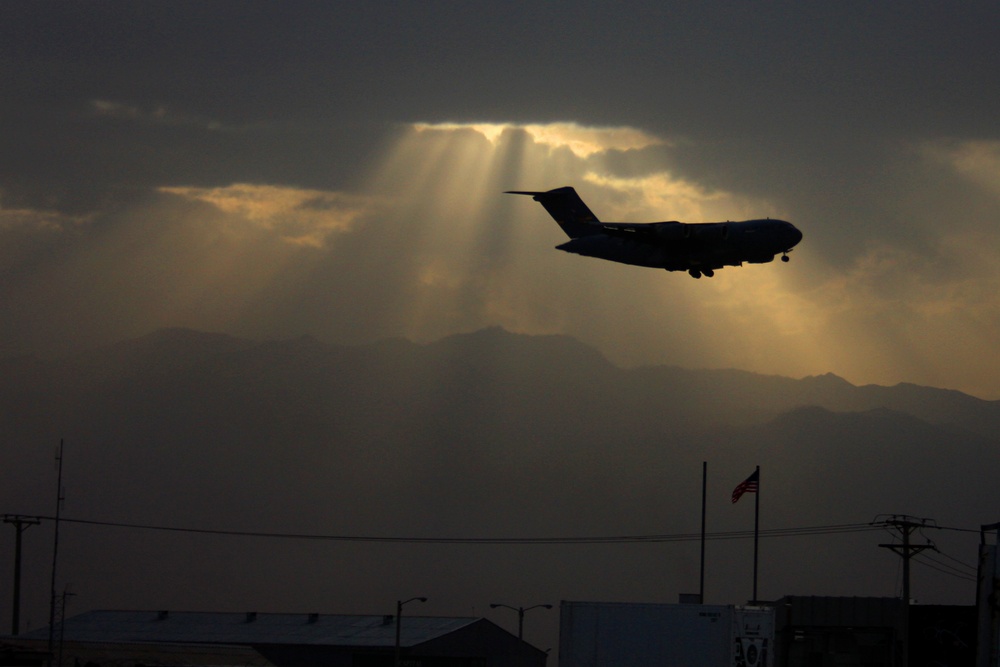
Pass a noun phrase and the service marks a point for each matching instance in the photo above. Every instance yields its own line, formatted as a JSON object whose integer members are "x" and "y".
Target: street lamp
{"x": 520, "y": 615}
{"x": 399, "y": 617}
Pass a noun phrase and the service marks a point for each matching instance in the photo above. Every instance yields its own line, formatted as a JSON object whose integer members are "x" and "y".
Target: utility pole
{"x": 906, "y": 525}
{"x": 55, "y": 552}
{"x": 987, "y": 596}
{"x": 704, "y": 487}
{"x": 21, "y": 524}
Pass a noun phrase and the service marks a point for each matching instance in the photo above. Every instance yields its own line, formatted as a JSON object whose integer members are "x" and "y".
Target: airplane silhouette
{"x": 698, "y": 248}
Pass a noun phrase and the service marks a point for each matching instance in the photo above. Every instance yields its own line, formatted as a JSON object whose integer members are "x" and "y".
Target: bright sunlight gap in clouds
{"x": 429, "y": 246}
{"x": 476, "y": 258}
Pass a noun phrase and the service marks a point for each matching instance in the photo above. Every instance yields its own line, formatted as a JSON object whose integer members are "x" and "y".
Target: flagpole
{"x": 704, "y": 485}
{"x": 756, "y": 534}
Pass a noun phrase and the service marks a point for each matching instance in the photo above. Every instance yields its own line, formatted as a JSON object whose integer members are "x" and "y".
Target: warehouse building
{"x": 167, "y": 638}
{"x": 868, "y": 631}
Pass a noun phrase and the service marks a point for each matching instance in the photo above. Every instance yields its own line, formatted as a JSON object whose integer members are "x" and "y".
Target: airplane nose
{"x": 793, "y": 235}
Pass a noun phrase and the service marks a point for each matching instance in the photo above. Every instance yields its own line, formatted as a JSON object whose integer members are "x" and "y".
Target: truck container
{"x": 615, "y": 634}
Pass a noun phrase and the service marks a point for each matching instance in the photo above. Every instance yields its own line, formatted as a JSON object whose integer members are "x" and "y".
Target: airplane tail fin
{"x": 566, "y": 208}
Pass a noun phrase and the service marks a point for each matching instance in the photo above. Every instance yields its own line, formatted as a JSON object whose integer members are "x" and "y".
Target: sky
{"x": 336, "y": 170}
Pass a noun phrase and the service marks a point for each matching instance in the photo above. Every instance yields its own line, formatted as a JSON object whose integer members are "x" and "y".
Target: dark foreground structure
{"x": 132, "y": 638}
{"x": 794, "y": 631}
{"x": 867, "y": 631}
{"x": 621, "y": 634}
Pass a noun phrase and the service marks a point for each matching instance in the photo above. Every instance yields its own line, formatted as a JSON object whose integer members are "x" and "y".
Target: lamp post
{"x": 520, "y": 615}
{"x": 399, "y": 617}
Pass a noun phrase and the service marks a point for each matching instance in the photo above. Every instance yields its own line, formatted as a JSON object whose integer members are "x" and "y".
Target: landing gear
{"x": 698, "y": 273}
{"x": 695, "y": 273}
{"x": 708, "y": 273}
{"x": 784, "y": 256}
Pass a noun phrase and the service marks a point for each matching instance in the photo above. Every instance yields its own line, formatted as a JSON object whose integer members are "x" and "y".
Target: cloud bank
{"x": 337, "y": 171}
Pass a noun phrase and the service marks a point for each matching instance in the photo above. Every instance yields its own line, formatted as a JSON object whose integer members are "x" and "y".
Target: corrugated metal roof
{"x": 175, "y": 655}
{"x": 249, "y": 629}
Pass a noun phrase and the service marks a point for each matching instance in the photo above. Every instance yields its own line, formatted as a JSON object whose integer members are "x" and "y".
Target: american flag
{"x": 749, "y": 485}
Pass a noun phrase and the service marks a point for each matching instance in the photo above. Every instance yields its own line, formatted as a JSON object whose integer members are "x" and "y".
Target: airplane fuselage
{"x": 678, "y": 246}
{"x": 698, "y": 248}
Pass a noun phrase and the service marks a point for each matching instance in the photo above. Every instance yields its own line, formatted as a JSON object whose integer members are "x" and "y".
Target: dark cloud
{"x": 870, "y": 126}
{"x": 796, "y": 78}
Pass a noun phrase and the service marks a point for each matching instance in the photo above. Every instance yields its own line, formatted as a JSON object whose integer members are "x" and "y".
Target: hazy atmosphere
{"x": 263, "y": 198}
{"x": 335, "y": 169}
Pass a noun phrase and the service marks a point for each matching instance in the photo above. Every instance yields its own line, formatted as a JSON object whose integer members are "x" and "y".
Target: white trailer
{"x": 611, "y": 634}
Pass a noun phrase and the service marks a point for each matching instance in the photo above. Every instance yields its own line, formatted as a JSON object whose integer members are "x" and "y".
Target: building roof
{"x": 251, "y": 628}
{"x": 175, "y": 655}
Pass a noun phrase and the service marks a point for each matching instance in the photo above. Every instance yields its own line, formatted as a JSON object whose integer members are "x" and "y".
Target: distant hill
{"x": 481, "y": 435}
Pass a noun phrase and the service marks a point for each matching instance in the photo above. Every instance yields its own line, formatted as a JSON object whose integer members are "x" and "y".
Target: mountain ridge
{"x": 736, "y": 396}
{"x": 200, "y": 344}
{"x": 483, "y": 434}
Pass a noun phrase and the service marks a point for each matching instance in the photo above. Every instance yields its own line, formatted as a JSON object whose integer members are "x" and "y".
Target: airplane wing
{"x": 646, "y": 232}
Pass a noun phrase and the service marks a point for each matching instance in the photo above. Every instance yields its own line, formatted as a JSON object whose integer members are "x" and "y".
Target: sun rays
{"x": 485, "y": 260}
{"x": 426, "y": 245}
{"x": 489, "y": 259}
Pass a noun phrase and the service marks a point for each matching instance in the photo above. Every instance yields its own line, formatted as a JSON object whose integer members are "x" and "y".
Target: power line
{"x": 943, "y": 568}
{"x": 608, "y": 539}
{"x": 970, "y": 568}
{"x": 959, "y": 530}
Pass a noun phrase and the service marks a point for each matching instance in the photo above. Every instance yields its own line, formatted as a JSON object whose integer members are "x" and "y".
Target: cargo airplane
{"x": 698, "y": 248}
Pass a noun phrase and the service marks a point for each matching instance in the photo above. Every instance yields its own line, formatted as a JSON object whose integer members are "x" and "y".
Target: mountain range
{"x": 472, "y": 438}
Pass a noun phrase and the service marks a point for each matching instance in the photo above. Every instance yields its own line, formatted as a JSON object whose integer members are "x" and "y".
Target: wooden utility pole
{"x": 21, "y": 524}
{"x": 906, "y": 525}
{"x": 55, "y": 552}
